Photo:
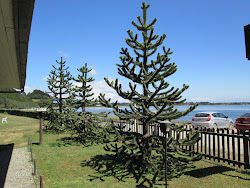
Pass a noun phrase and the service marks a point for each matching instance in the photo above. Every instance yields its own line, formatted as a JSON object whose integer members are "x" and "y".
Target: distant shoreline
{"x": 186, "y": 104}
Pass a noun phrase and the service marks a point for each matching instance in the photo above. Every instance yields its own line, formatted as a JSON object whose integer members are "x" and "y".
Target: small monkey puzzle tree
{"x": 83, "y": 92}
{"x": 86, "y": 123}
{"x": 152, "y": 94}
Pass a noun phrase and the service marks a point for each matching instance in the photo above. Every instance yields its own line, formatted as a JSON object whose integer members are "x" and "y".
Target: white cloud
{"x": 64, "y": 54}
{"x": 28, "y": 89}
{"x": 74, "y": 83}
{"x": 45, "y": 79}
{"x": 93, "y": 72}
{"x": 102, "y": 87}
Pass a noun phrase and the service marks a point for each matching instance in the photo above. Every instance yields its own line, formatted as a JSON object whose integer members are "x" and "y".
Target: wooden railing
{"x": 223, "y": 145}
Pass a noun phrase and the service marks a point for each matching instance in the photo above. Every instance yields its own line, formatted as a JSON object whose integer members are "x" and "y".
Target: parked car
{"x": 212, "y": 120}
{"x": 243, "y": 122}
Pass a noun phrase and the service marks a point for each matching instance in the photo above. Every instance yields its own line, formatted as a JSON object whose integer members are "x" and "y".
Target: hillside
{"x": 38, "y": 94}
{"x": 41, "y": 98}
{"x": 35, "y": 99}
{"x": 16, "y": 101}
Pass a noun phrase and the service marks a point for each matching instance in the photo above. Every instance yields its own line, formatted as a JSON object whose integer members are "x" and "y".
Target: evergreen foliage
{"x": 85, "y": 124}
{"x": 83, "y": 92}
{"x": 60, "y": 86}
{"x": 146, "y": 156}
{"x": 38, "y": 94}
{"x": 16, "y": 101}
{"x": 44, "y": 99}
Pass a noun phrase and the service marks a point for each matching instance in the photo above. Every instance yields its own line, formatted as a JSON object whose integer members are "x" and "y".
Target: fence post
{"x": 201, "y": 134}
{"x": 238, "y": 141}
{"x": 170, "y": 133}
{"x": 228, "y": 147}
{"x": 218, "y": 144}
{"x": 246, "y": 151}
{"x": 205, "y": 133}
{"x": 41, "y": 128}
{"x": 223, "y": 145}
{"x": 213, "y": 136}
{"x": 156, "y": 129}
{"x": 197, "y": 144}
{"x": 137, "y": 128}
{"x": 192, "y": 130}
{"x": 31, "y": 152}
{"x": 209, "y": 143}
{"x": 121, "y": 125}
{"x": 233, "y": 147}
{"x": 41, "y": 181}
{"x": 34, "y": 173}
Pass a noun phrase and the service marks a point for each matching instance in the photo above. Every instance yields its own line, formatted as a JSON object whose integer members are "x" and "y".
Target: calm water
{"x": 232, "y": 111}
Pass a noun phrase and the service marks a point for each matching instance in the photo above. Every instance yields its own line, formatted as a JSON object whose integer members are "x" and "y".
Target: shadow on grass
{"x": 65, "y": 142}
{"x": 35, "y": 143}
{"x": 200, "y": 173}
{"x": 109, "y": 165}
{"x": 106, "y": 166}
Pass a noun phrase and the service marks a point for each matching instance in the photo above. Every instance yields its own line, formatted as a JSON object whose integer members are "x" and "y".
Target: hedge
{"x": 25, "y": 113}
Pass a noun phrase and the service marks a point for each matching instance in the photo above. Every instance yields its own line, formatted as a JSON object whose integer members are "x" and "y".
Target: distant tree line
{"x": 23, "y": 100}
{"x": 43, "y": 98}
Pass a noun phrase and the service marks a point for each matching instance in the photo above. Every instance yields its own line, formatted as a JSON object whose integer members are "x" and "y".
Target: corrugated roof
{"x": 15, "y": 24}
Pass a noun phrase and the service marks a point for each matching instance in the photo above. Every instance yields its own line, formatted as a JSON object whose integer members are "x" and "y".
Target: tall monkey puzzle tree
{"x": 151, "y": 77}
{"x": 60, "y": 86}
{"x": 156, "y": 100}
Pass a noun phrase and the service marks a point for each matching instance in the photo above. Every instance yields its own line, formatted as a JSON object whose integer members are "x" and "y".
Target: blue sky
{"x": 206, "y": 37}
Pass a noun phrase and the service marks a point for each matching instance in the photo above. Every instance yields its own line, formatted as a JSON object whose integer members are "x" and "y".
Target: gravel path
{"x": 20, "y": 170}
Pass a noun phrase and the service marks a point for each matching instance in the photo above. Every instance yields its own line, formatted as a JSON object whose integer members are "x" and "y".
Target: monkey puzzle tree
{"x": 83, "y": 92}
{"x": 150, "y": 91}
{"x": 60, "y": 86}
{"x": 86, "y": 123}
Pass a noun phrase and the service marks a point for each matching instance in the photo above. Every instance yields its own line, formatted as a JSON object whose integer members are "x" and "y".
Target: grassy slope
{"x": 61, "y": 162}
{"x": 17, "y": 130}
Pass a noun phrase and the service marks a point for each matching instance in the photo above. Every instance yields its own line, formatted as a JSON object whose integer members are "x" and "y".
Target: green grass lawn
{"x": 66, "y": 164}
{"x": 17, "y": 130}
